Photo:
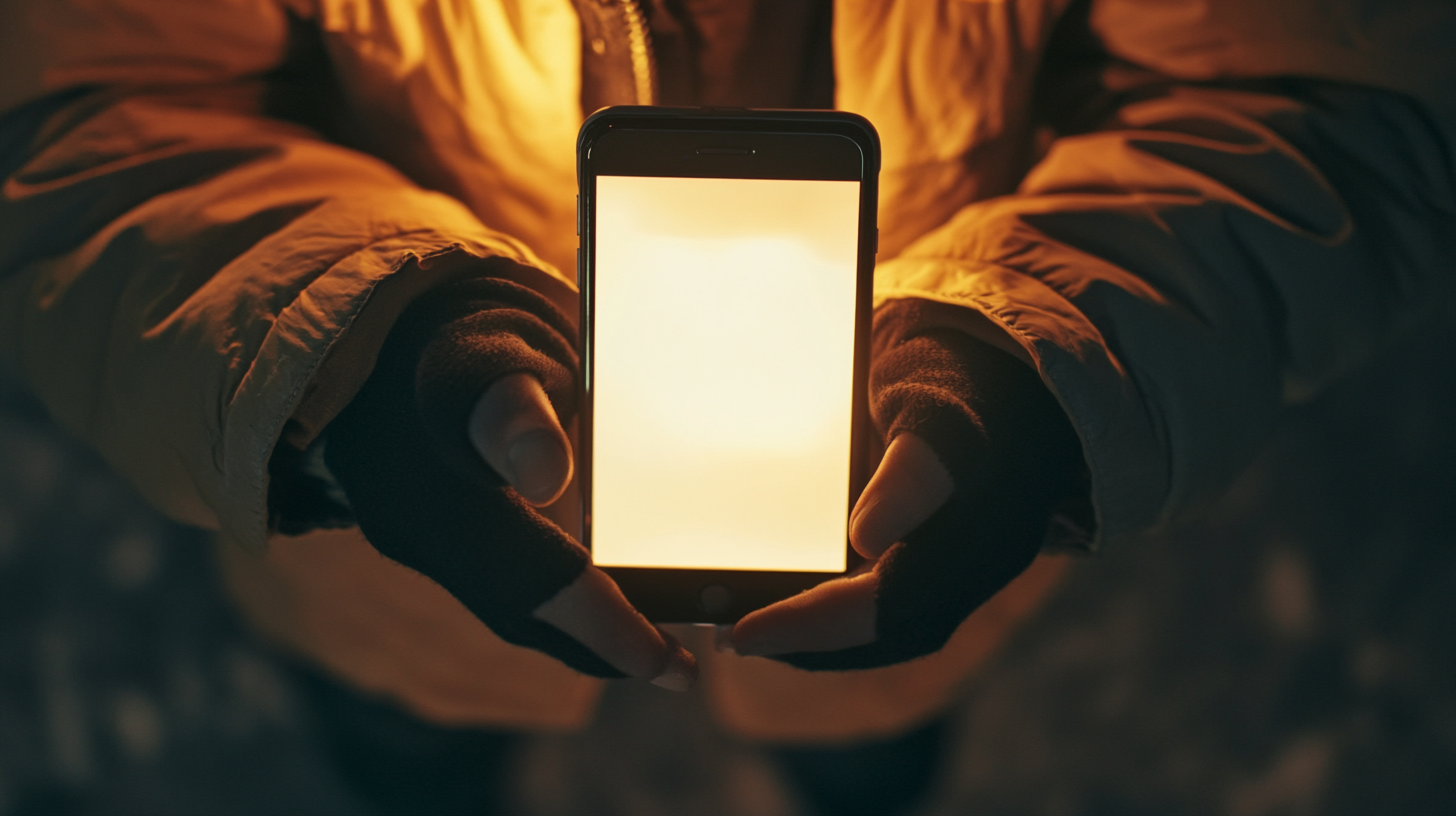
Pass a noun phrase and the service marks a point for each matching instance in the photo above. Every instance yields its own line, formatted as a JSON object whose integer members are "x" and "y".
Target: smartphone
{"x": 726, "y": 266}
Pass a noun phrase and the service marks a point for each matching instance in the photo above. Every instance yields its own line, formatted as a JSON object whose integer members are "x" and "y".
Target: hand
{"x": 979, "y": 456}
{"x": 445, "y": 479}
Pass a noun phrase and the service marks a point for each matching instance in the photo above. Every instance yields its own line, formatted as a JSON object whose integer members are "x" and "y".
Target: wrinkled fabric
{"x": 1188, "y": 258}
{"x": 1212, "y": 256}
{"x": 214, "y": 211}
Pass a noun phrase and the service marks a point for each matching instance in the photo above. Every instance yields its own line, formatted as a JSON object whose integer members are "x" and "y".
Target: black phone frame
{"x": 727, "y": 143}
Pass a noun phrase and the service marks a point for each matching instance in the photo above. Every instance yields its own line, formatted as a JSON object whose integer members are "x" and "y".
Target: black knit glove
{"x": 421, "y": 493}
{"x": 1012, "y": 455}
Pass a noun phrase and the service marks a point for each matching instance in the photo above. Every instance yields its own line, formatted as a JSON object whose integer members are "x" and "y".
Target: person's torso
{"x": 483, "y": 100}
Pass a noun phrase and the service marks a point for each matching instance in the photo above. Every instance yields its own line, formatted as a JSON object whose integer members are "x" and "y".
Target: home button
{"x": 715, "y": 599}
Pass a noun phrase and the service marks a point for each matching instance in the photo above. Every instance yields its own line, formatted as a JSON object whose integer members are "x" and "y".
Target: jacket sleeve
{"x": 181, "y": 273}
{"x": 1204, "y": 259}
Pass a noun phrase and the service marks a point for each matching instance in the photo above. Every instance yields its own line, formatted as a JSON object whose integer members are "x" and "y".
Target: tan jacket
{"x": 186, "y": 277}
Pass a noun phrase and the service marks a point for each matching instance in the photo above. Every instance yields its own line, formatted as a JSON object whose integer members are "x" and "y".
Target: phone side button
{"x": 715, "y": 598}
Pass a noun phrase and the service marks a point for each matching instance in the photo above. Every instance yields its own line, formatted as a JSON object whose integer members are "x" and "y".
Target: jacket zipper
{"x": 639, "y": 43}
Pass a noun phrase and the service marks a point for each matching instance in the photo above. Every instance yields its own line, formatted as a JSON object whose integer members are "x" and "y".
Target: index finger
{"x": 835, "y": 615}
{"x": 593, "y": 610}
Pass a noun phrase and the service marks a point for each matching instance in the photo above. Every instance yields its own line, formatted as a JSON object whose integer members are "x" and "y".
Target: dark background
{"x": 1290, "y": 652}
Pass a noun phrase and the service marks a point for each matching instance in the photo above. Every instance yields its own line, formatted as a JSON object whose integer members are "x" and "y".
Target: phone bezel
{"x": 781, "y": 144}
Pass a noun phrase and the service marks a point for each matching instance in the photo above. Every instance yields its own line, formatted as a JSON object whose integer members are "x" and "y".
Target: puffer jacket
{"x": 1187, "y": 214}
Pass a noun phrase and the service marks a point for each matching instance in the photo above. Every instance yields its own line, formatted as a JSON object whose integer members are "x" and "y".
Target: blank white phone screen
{"x": 722, "y": 372}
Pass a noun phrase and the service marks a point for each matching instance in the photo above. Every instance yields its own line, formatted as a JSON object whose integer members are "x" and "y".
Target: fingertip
{"x": 835, "y": 615}
{"x": 864, "y": 530}
{"x": 515, "y": 430}
{"x": 593, "y": 611}
{"x": 907, "y": 488}
{"x": 541, "y": 465}
{"x": 681, "y": 671}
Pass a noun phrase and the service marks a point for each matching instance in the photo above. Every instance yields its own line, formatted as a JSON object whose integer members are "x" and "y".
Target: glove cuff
{"x": 457, "y": 340}
{"x": 986, "y": 414}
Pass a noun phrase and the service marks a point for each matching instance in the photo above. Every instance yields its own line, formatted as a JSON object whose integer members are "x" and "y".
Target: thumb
{"x": 515, "y": 429}
{"x": 907, "y": 488}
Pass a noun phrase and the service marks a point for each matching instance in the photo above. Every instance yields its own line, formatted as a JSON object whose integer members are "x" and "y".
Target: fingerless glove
{"x": 1012, "y": 455}
{"x": 421, "y": 493}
